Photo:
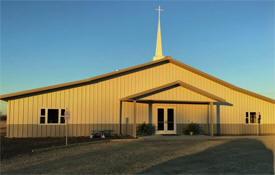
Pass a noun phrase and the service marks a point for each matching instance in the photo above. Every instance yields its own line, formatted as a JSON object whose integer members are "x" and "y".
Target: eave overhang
{"x": 165, "y": 60}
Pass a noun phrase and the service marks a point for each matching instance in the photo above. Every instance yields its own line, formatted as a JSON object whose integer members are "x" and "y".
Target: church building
{"x": 164, "y": 92}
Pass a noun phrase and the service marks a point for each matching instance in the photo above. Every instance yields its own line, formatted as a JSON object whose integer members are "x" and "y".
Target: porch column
{"x": 208, "y": 119}
{"x": 150, "y": 119}
{"x": 218, "y": 119}
{"x": 135, "y": 114}
{"x": 211, "y": 119}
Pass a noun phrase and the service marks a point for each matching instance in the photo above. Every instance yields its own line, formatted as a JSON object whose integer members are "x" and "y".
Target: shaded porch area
{"x": 162, "y": 111}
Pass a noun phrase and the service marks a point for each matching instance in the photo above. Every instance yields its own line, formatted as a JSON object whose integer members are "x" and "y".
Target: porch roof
{"x": 138, "y": 96}
{"x": 173, "y": 101}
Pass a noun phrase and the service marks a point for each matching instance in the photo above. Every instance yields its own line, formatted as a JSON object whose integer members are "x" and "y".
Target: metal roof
{"x": 165, "y": 60}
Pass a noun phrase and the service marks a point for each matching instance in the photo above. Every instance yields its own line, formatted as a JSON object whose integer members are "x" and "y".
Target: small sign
{"x": 67, "y": 115}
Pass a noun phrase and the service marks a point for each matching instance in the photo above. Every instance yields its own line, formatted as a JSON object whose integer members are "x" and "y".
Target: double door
{"x": 165, "y": 120}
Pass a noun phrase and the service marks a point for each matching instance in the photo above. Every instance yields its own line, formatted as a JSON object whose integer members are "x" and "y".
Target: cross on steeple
{"x": 158, "y": 54}
{"x": 159, "y": 10}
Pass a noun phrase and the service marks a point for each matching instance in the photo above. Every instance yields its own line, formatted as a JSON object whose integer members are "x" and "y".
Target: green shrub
{"x": 195, "y": 128}
{"x": 145, "y": 129}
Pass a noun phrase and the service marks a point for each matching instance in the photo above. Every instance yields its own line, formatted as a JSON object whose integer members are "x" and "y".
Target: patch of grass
{"x": 68, "y": 146}
{"x": 11, "y": 147}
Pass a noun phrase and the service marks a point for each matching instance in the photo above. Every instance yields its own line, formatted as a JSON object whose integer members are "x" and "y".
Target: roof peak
{"x": 166, "y": 59}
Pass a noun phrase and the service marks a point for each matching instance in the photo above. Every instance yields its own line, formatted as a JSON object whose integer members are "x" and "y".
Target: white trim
{"x": 46, "y": 117}
{"x": 257, "y": 117}
{"x": 165, "y": 107}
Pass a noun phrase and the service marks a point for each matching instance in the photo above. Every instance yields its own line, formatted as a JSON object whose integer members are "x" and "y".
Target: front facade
{"x": 165, "y": 92}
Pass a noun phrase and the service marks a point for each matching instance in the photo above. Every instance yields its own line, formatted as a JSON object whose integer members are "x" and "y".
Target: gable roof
{"x": 165, "y": 60}
{"x": 169, "y": 86}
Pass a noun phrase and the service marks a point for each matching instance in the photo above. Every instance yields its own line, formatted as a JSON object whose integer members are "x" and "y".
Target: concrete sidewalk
{"x": 199, "y": 137}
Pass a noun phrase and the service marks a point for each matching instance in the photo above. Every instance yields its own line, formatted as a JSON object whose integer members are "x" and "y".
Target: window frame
{"x": 46, "y": 117}
{"x": 256, "y": 118}
{"x": 246, "y": 117}
{"x": 60, "y": 116}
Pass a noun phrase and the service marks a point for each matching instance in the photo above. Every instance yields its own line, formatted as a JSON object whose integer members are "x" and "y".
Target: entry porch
{"x": 167, "y": 114}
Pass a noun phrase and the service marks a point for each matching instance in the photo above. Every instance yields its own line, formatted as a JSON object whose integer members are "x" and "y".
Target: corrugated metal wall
{"x": 96, "y": 106}
{"x": 179, "y": 94}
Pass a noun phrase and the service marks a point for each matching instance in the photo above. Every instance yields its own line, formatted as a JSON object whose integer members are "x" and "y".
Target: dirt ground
{"x": 222, "y": 156}
{"x": 11, "y": 147}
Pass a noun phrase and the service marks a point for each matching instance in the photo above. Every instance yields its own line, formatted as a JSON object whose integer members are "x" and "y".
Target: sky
{"x": 50, "y": 42}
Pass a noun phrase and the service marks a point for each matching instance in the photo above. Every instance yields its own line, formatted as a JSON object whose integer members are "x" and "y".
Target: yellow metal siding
{"x": 34, "y": 116}
{"x": 96, "y": 106}
{"x": 9, "y": 113}
{"x": 179, "y": 94}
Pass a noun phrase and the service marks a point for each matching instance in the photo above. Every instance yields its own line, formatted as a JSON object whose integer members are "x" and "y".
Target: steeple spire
{"x": 158, "y": 54}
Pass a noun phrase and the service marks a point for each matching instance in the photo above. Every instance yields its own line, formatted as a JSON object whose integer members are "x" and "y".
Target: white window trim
{"x": 257, "y": 116}
{"x": 46, "y": 117}
{"x": 46, "y": 113}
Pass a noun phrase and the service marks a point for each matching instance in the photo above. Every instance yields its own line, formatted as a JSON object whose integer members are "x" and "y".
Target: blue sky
{"x": 50, "y": 42}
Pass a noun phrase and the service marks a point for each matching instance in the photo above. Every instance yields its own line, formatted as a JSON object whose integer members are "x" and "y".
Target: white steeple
{"x": 158, "y": 54}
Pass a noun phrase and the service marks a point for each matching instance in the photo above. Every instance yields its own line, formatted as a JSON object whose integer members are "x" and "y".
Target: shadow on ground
{"x": 236, "y": 156}
{"x": 241, "y": 156}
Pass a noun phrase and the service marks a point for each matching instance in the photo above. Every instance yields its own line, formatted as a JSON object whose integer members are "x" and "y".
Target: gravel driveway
{"x": 240, "y": 155}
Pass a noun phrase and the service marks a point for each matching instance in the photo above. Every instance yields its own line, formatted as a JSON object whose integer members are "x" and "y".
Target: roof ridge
{"x": 5, "y": 97}
{"x": 222, "y": 82}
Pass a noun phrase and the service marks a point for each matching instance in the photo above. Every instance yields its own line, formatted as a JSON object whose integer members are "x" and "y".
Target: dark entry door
{"x": 166, "y": 120}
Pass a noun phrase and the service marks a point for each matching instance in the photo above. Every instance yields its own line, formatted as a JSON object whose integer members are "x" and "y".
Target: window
{"x": 42, "y": 116}
{"x": 246, "y": 118}
{"x": 52, "y": 116}
{"x": 251, "y": 117}
{"x": 62, "y": 118}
